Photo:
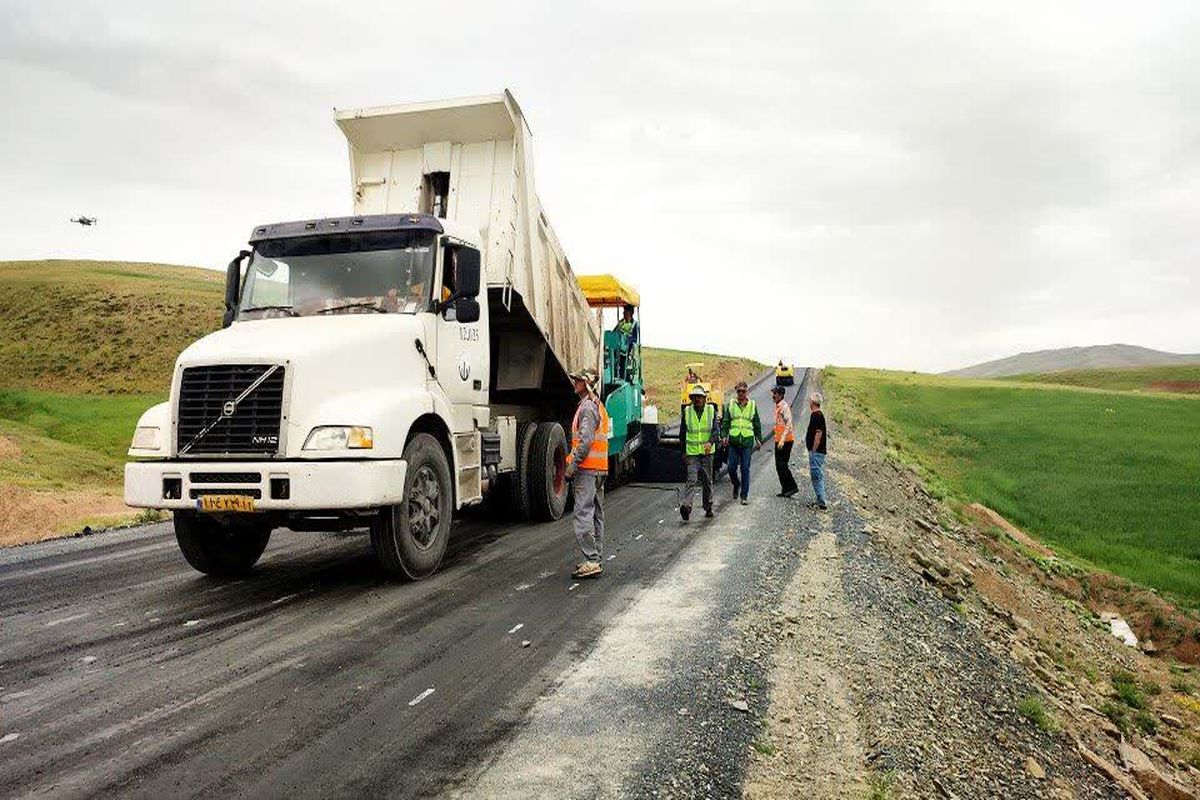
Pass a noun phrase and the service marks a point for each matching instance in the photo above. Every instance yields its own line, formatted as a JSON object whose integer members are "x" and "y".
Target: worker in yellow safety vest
{"x": 587, "y": 467}
{"x": 699, "y": 432}
{"x": 741, "y": 432}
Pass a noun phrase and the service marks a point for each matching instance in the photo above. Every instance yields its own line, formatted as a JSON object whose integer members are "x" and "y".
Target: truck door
{"x": 462, "y": 354}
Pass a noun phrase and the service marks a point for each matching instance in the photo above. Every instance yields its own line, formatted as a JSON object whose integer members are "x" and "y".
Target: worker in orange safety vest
{"x": 587, "y": 466}
{"x": 785, "y": 438}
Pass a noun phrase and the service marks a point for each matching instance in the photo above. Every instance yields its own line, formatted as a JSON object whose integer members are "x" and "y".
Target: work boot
{"x": 745, "y": 501}
{"x": 588, "y": 569}
{"x": 708, "y": 511}
{"x": 685, "y": 512}
{"x": 790, "y": 492}
{"x": 737, "y": 487}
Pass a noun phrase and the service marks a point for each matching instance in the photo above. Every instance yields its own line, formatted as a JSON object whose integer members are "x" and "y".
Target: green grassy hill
{"x": 1108, "y": 476}
{"x": 100, "y": 327}
{"x": 1184, "y": 379}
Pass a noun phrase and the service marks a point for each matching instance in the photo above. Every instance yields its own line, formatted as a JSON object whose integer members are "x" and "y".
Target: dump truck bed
{"x": 470, "y": 161}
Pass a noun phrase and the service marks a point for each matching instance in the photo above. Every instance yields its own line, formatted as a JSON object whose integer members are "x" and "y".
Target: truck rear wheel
{"x": 409, "y": 539}
{"x": 547, "y": 472}
{"x": 221, "y": 546}
{"x": 518, "y": 479}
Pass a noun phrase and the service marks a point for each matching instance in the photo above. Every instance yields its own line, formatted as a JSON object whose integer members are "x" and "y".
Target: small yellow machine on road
{"x": 785, "y": 374}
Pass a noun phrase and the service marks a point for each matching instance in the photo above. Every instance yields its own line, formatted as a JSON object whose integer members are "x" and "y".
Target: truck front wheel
{"x": 221, "y": 546}
{"x": 547, "y": 471}
{"x": 409, "y": 539}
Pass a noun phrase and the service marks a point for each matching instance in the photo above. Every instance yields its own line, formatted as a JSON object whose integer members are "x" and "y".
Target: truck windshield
{"x": 367, "y": 273}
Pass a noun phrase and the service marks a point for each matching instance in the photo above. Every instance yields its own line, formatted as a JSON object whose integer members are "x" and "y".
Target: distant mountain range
{"x": 1100, "y": 356}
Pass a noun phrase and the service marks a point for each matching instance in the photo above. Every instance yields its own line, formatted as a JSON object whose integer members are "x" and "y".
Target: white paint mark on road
{"x": 516, "y": 628}
{"x": 71, "y": 618}
{"x": 640, "y": 535}
{"x": 522, "y": 587}
{"x": 572, "y": 587}
{"x": 421, "y": 696}
{"x": 9, "y": 737}
{"x": 191, "y": 622}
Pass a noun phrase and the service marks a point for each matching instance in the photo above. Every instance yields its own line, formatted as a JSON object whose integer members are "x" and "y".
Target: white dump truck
{"x": 385, "y": 369}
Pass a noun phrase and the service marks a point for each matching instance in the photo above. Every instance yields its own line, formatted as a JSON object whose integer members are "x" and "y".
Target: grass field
{"x": 1179, "y": 379}
{"x": 66, "y": 441}
{"x": 664, "y": 371}
{"x": 1110, "y": 477}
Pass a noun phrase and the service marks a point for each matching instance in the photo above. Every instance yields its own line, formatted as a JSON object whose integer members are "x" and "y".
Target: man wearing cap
{"x": 699, "y": 432}
{"x": 587, "y": 468}
{"x": 785, "y": 438}
{"x": 741, "y": 432}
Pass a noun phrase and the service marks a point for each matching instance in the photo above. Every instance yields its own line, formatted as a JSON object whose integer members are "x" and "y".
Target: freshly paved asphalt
{"x": 123, "y": 671}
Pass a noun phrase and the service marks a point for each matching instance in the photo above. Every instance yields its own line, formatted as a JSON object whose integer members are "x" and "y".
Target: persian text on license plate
{"x": 225, "y": 502}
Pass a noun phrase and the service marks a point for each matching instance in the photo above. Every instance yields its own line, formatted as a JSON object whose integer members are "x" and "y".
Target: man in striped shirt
{"x": 785, "y": 438}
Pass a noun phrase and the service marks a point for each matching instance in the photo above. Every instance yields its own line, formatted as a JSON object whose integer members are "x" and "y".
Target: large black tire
{"x": 409, "y": 539}
{"x": 518, "y": 479}
{"x": 221, "y": 547}
{"x": 547, "y": 472}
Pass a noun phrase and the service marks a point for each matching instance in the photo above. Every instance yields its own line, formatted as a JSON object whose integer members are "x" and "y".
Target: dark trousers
{"x": 787, "y": 481}
{"x": 739, "y": 468}
{"x": 699, "y": 474}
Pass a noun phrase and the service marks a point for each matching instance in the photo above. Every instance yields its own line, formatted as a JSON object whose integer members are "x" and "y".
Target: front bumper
{"x": 312, "y": 485}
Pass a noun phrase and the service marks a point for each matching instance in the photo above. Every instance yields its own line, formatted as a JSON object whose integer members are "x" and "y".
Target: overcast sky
{"x": 919, "y": 186}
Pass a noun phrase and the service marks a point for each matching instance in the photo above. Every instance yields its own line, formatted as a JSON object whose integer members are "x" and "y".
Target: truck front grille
{"x": 212, "y": 420}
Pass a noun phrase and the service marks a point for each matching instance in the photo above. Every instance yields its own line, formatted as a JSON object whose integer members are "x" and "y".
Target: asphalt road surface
{"x": 123, "y": 671}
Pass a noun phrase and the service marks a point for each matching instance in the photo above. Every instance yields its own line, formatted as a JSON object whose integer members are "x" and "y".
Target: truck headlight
{"x": 145, "y": 438}
{"x": 340, "y": 437}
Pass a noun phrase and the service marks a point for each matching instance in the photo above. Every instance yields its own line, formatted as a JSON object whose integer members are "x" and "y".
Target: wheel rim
{"x": 424, "y": 507}
{"x": 560, "y": 469}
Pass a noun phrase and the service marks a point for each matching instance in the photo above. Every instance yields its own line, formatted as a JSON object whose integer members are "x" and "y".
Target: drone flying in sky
{"x": 86, "y": 222}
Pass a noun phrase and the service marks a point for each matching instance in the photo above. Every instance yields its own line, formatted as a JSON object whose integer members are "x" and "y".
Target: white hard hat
{"x": 697, "y": 391}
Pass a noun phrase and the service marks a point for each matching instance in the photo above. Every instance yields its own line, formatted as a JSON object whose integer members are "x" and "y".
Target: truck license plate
{"x": 224, "y": 502}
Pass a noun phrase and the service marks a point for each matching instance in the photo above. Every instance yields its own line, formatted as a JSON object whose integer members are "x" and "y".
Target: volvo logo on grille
{"x": 228, "y": 409}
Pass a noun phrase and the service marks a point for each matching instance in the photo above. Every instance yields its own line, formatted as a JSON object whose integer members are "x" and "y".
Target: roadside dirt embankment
{"x": 970, "y": 665}
{"x": 29, "y": 515}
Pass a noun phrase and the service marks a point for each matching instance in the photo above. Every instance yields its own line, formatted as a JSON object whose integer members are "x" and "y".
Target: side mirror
{"x": 468, "y": 275}
{"x": 233, "y": 285}
{"x": 466, "y": 309}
